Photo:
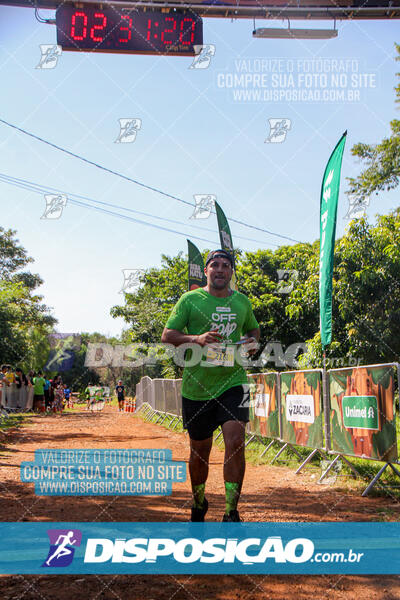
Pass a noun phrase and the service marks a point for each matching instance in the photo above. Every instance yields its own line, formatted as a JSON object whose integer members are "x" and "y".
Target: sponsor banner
{"x": 264, "y": 410}
{"x": 301, "y": 408}
{"x": 209, "y": 548}
{"x": 360, "y": 412}
{"x": 96, "y": 472}
{"x": 225, "y": 237}
{"x": 328, "y": 210}
{"x": 196, "y": 276}
{"x": 363, "y": 419}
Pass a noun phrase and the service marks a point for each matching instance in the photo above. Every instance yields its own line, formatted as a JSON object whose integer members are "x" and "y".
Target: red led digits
{"x": 168, "y": 31}
{"x": 98, "y": 27}
{"x": 127, "y": 29}
{"x": 148, "y": 29}
{"x": 187, "y": 28}
{"x": 81, "y": 25}
{"x": 95, "y": 28}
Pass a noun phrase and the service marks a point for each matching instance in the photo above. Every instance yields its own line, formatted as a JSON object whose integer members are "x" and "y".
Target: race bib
{"x": 220, "y": 356}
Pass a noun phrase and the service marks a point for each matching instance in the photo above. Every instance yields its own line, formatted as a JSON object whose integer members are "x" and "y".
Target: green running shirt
{"x": 197, "y": 312}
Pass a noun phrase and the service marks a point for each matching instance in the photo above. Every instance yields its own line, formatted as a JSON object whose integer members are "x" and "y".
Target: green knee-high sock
{"x": 232, "y": 493}
{"x": 198, "y": 495}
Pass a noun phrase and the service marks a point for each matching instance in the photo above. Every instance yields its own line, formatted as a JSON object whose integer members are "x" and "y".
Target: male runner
{"x": 214, "y": 388}
{"x": 120, "y": 389}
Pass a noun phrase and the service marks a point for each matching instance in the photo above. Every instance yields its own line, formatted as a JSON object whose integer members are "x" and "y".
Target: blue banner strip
{"x": 196, "y": 548}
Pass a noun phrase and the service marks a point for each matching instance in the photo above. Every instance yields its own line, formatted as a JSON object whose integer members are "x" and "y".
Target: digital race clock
{"x": 112, "y": 30}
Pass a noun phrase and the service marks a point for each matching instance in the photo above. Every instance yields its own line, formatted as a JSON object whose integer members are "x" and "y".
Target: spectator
{"x": 58, "y": 395}
{"x": 3, "y": 372}
{"x": 8, "y": 374}
{"x": 67, "y": 393}
{"x": 87, "y": 395}
{"x": 3, "y": 382}
{"x": 38, "y": 392}
{"x": 31, "y": 375}
{"x": 21, "y": 379}
{"x": 46, "y": 388}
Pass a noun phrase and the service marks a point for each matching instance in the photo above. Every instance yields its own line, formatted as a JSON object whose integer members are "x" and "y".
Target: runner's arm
{"x": 253, "y": 335}
{"x": 176, "y": 338}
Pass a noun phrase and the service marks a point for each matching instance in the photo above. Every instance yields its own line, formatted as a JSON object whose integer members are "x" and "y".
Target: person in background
{"x": 3, "y": 383}
{"x": 87, "y": 395}
{"x": 67, "y": 393}
{"x": 21, "y": 379}
{"x": 21, "y": 382}
{"x": 58, "y": 403}
{"x": 46, "y": 388}
{"x": 3, "y": 372}
{"x": 38, "y": 392}
{"x": 30, "y": 376}
{"x": 120, "y": 389}
{"x": 9, "y": 375}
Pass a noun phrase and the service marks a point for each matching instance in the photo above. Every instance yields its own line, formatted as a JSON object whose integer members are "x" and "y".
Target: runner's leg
{"x": 234, "y": 462}
{"x": 198, "y": 461}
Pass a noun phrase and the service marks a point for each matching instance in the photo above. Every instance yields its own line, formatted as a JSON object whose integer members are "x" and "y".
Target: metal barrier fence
{"x": 13, "y": 399}
{"x": 351, "y": 412}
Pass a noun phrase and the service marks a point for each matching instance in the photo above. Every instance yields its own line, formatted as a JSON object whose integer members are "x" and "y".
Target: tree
{"x": 147, "y": 310}
{"x": 366, "y": 295}
{"x": 382, "y": 171}
{"x": 24, "y": 320}
{"x": 257, "y": 273}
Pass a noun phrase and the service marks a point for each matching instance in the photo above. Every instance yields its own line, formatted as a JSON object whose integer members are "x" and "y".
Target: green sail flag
{"x": 328, "y": 210}
{"x": 226, "y": 239}
{"x": 195, "y": 267}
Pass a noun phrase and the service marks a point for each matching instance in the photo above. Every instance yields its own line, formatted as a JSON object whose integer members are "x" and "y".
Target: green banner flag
{"x": 195, "y": 267}
{"x": 328, "y": 210}
{"x": 226, "y": 239}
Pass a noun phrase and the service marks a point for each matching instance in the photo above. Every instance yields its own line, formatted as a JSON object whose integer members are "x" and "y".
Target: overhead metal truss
{"x": 246, "y": 9}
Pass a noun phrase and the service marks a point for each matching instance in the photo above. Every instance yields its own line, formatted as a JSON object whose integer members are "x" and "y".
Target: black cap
{"x": 219, "y": 254}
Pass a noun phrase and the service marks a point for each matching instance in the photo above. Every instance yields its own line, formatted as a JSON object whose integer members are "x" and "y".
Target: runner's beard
{"x": 219, "y": 283}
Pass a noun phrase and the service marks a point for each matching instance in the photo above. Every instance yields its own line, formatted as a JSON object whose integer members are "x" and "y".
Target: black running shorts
{"x": 202, "y": 417}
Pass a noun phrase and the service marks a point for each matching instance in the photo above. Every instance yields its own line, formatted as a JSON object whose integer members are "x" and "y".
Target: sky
{"x": 202, "y": 131}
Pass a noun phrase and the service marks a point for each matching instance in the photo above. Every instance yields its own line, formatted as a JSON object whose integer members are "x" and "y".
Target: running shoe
{"x": 233, "y": 517}
{"x": 198, "y": 514}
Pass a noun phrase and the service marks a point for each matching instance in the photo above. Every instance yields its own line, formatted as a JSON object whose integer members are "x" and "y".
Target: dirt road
{"x": 270, "y": 493}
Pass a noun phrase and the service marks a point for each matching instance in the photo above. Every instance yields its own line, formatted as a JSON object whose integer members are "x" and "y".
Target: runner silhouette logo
{"x": 62, "y": 542}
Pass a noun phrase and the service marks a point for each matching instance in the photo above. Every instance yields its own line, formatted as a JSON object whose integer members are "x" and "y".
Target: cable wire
{"x": 41, "y": 189}
{"x": 135, "y": 181}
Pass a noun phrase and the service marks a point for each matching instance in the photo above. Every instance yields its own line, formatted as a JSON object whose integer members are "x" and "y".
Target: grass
{"x": 388, "y": 485}
{"x": 13, "y": 420}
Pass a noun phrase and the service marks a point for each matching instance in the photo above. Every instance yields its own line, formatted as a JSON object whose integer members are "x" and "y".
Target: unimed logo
{"x": 189, "y": 550}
